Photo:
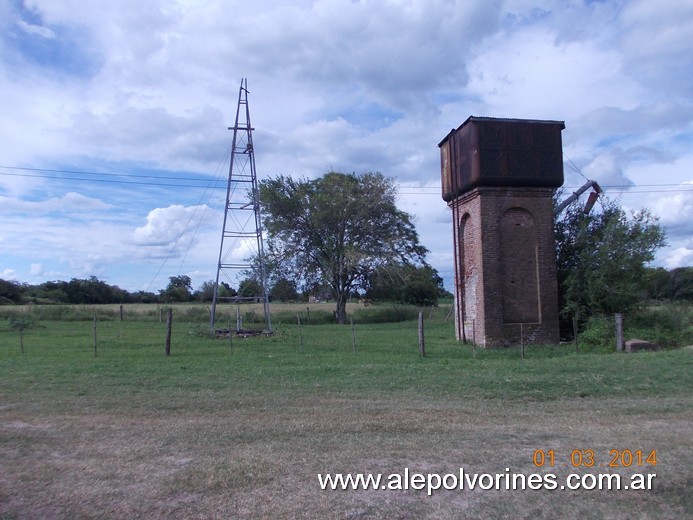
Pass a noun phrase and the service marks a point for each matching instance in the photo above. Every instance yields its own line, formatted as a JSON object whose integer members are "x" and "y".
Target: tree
{"x": 337, "y": 229}
{"x": 10, "y": 292}
{"x": 671, "y": 286}
{"x": 415, "y": 285}
{"x": 250, "y": 288}
{"x": 93, "y": 290}
{"x": 682, "y": 284}
{"x": 206, "y": 291}
{"x": 179, "y": 289}
{"x": 601, "y": 257}
{"x": 284, "y": 290}
{"x": 657, "y": 284}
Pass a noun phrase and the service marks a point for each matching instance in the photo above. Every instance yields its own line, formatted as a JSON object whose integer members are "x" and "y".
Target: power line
{"x": 209, "y": 186}
{"x": 199, "y": 183}
{"x": 82, "y": 172}
{"x": 217, "y": 183}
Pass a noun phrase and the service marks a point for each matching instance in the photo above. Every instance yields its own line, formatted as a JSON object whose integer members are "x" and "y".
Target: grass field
{"x": 242, "y": 429}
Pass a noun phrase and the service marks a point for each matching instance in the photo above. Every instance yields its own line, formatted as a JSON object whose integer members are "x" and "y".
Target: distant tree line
{"x": 76, "y": 291}
{"x": 420, "y": 286}
{"x": 402, "y": 284}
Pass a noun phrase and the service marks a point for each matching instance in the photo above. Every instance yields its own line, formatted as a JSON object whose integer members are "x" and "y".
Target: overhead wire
{"x": 217, "y": 182}
{"x": 185, "y": 228}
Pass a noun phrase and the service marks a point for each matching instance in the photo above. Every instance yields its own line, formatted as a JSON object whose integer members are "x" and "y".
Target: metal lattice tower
{"x": 241, "y": 235}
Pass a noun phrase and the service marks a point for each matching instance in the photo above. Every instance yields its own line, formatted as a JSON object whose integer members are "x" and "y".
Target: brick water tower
{"x": 499, "y": 177}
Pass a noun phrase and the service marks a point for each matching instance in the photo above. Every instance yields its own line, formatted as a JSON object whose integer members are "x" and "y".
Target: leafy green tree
{"x": 93, "y": 290}
{"x": 10, "y": 292}
{"x": 179, "y": 289}
{"x": 53, "y": 291}
{"x": 406, "y": 283}
{"x": 337, "y": 229}
{"x": 602, "y": 257}
{"x": 143, "y": 297}
{"x": 250, "y": 288}
{"x": 657, "y": 284}
{"x": 206, "y": 291}
{"x": 284, "y": 290}
{"x": 682, "y": 284}
{"x": 20, "y": 324}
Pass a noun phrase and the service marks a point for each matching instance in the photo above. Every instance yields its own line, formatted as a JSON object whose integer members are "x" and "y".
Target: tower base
{"x": 505, "y": 277}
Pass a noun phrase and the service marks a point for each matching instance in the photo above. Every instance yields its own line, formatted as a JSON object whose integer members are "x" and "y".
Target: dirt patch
{"x": 18, "y": 425}
{"x": 260, "y": 458}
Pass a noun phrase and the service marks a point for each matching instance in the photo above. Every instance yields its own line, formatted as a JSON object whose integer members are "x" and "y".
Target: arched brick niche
{"x": 519, "y": 278}
{"x": 469, "y": 272}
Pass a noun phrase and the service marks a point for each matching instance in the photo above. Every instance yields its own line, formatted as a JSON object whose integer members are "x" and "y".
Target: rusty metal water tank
{"x": 486, "y": 151}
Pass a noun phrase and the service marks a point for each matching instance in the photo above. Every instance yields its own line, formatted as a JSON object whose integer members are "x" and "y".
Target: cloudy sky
{"x": 114, "y": 115}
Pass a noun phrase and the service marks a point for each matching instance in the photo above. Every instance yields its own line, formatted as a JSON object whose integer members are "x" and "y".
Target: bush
{"x": 599, "y": 335}
{"x": 314, "y": 318}
{"x": 389, "y": 314}
{"x": 668, "y": 326}
{"x": 70, "y": 313}
{"x": 193, "y": 313}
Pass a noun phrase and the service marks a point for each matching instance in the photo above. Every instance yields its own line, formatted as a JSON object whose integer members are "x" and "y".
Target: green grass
{"x": 60, "y": 357}
{"x": 241, "y": 429}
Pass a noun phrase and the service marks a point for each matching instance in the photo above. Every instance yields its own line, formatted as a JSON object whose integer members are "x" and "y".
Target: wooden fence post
{"x": 121, "y": 313}
{"x": 230, "y": 334}
{"x": 21, "y": 336}
{"x": 422, "y": 345}
{"x": 618, "y": 318}
{"x": 300, "y": 334}
{"x": 95, "y": 335}
{"x": 169, "y": 321}
{"x": 575, "y": 334}
{"x": 474, "y": 339}
{"x": 353, "y": 336}
{"x": 522, "y": 339}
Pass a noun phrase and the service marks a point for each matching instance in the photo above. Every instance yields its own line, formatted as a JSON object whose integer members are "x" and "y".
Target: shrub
{"x": 599, "y": 335}
{"x": 386, "y": 314}
{"x": 314, "y": 318}
{"x": 669, "y": 326}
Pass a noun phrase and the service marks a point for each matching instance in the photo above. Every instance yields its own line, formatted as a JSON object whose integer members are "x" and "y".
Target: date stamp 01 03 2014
{"x": 588, "y": 458}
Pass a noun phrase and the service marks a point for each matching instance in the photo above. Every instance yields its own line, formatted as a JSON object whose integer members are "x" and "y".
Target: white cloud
{"x": 8, "y": 274}
{"x": 607, "y": 169}
{"x": 675, "y": 211}
{"x": 678, "y": 257}
{"x": 169, "y": 226}
{"x": 39, "y": 30}
{"x": 36, "y": 269}
{"x": 529, "y": 74}
{"x": 70, "y": 202}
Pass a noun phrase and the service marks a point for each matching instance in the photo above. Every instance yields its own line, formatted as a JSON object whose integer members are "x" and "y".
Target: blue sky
{"x": 114, "y": 115}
